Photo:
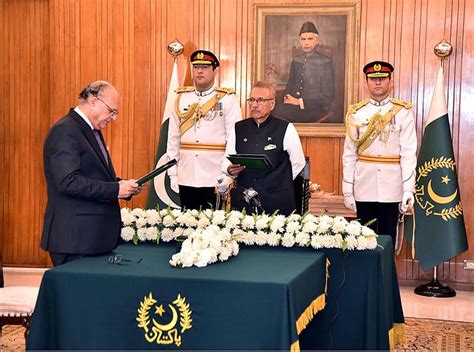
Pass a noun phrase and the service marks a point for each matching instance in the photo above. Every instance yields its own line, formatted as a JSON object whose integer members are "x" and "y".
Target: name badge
{"x": 270, "y": 147}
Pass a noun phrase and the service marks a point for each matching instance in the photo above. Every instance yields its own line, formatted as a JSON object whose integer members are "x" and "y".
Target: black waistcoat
{"x": 275, "y": 187}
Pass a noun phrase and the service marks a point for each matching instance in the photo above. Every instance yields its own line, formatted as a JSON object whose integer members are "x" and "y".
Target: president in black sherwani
{"x": 279, "y": 141}
{"x": 309, "y": 91}
{"x": 82, "y": 215}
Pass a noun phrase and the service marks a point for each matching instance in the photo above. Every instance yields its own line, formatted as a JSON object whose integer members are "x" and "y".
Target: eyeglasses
{"x": 259, "y": 101}
{"x": 118, "y": 260}
{"x": 113, "y": 112}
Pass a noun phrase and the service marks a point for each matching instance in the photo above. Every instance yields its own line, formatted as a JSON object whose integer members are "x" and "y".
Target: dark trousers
{"x": 385, "y": 213}
{"x": 197, "y": 197}
{"x": 63, "y": 258}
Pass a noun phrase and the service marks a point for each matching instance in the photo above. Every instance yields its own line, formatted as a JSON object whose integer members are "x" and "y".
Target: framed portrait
{"x": 310, "y": 52}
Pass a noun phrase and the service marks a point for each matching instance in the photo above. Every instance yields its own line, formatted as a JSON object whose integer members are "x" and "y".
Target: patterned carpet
{"x": 420, "y": 334}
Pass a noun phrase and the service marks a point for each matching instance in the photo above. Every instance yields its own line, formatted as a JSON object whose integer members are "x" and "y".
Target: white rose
{"x": 236, "y": 214}
{"x": 188, "y": 232}
{"x": 139, "y": 213}
{"x": 128, "y": 219}
{"x": 127, "y": 233}
{"x": 248, "y": 222}
{"x": 232, "y": 222}
{"x": 235, "y": 247}
{"x": 371, "y": 242}
{"x": 141, "y": 233}
{"x": 310, "y": 218}
{"x": 351, "y": 242}
{"x": 260, "y": 238}
{"x": 175, "y": 259}
{"x": 152, "y": 233}
{"x": 309, "y": 227}
{"x": 178, "y": 231}
{"x": 362, "y": 243}
{"x": 292, "y": 227}
{"x": 203, "y": 223}
{"x": 168, "y": 221}
{"x": 176, "y": 213}
{"x": 293, "y": 217}
{"x": 141, "y": 222}
{"x": 323, "y": 228}
{"x": 273, "y": 239}
{"x": 338, "y": 227}
{"x": 288, "y": 240}
{"x": 262, "y": 222}
{"x": 219, "y": 217}
{"x": 367, "y": 231}
{"x": 167, "y": 235}
{"x": 277, "y": 225}
{"x": 354, "y": 228}
{"x": 202, "y": 258}
{"x": 302, "y": 239}
{"x": 317, "y": 241}
{"x": 153, "y": 217}
{"x": 163, "y": 212}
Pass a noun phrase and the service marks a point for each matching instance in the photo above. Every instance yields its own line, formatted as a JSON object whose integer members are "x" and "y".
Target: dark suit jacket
{"x": 83, "y": 214}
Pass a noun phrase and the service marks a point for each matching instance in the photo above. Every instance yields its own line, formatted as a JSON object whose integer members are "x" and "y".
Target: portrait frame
{"x": 274, "y": 50}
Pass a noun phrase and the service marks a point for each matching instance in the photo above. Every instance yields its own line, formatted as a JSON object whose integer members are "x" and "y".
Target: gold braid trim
{"x": 309, "y": 313}
{"x": 379, "y": 125}
{"x": 225, "y": 90}
{"x": 371, "y": 125}
{"x": 396, "y": 335}
{"x": 295, "y": 346}
{"x": 195, "y": 110}
{"x": 405, "y": 104}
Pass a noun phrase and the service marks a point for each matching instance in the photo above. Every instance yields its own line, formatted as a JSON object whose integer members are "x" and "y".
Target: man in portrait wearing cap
{"x": 199, "y": 129}
{"x": 310, "y": 88}
{"x": 379, "y": 156}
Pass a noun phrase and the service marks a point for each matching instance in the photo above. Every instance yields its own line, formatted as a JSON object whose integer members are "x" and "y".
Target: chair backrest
{"x": 301, "y": 186}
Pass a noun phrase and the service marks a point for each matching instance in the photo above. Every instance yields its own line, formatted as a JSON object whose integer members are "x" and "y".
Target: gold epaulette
{"x": 405, "y": 104}
{"x": 354, "y": 107}
{"x": 225, "y": 90}
{"x": 184, "y": 89}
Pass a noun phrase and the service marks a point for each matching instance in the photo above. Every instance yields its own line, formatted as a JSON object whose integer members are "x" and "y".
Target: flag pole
{"x": 434, "y": 288}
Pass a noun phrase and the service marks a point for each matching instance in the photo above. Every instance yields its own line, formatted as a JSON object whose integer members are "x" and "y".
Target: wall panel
{"x": 51, "y": 49}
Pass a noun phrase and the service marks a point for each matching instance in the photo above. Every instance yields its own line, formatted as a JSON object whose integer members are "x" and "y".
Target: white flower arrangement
{"x": 211, "y": 236}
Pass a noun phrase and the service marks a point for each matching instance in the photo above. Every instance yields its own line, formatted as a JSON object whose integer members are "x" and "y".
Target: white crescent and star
{"x": 159, "y": 183}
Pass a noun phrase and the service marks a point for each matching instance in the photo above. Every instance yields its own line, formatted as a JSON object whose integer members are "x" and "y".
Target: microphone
{"x": 251, "y": 198}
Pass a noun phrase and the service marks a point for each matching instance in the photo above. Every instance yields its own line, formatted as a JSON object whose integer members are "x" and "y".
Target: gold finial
{"x": 443, "y": 49}
{"x": 175, "y": 48}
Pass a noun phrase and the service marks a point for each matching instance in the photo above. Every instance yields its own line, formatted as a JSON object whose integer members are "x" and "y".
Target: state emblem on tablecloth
{"x": 164, "y": 329}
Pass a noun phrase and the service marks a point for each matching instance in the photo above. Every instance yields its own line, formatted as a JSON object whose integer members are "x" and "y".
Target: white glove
{"x": 174, "y": 183}
{"x": 223, "y": 184}
{"x": 407, "y": 200}
{"x": 350, "y": 203}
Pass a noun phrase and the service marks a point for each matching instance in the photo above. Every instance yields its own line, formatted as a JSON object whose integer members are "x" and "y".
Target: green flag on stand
{"x": 436, "y": 231}
{"x": 160, "y": 193}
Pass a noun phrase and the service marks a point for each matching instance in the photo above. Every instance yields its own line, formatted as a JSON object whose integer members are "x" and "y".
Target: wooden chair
{"x": 16, "y": 304}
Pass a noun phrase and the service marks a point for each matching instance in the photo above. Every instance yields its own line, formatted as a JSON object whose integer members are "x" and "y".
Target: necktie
{"x": 101, "y": 145}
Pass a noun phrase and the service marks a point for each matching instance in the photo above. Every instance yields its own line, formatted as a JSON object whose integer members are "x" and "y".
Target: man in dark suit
{"x": 82, "y": 215}
{"x": 279, "y": 141}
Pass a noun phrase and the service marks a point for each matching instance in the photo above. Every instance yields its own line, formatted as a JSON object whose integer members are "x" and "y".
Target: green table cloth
{"x": 363, "y": 310}
{"x": 260, "y": 299}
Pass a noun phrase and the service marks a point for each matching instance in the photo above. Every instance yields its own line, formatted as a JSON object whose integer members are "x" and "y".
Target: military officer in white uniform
{"x": 379, "y": 157}
{"x": 203, "y": 117}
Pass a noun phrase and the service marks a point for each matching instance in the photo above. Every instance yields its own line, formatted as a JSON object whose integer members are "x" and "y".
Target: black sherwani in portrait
{"x": 82, "y": 214}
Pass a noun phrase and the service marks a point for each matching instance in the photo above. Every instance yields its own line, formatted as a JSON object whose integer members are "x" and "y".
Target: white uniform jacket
{"x": 376, "y": 181}
{"x": 199, "y": 167}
